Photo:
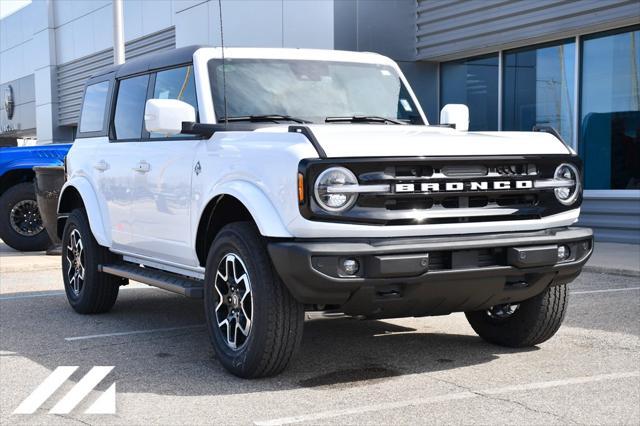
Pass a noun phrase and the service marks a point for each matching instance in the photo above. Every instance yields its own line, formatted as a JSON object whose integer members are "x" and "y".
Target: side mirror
{"x": 456, "y": 114}
{"x": 166, "y": 116}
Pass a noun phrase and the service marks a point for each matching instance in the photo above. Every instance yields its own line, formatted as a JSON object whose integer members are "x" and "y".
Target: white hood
{"x": 379, "y": 140}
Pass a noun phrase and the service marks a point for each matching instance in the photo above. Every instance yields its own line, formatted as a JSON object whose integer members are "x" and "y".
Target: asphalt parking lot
{"x": 408, "y": 371}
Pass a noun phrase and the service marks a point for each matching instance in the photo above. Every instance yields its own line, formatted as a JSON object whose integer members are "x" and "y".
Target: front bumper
{"x": 401, "y": 277}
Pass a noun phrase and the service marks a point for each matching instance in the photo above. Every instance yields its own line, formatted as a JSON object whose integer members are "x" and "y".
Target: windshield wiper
{"x": 264, "y": 117}
{"x": 362, "y": 119}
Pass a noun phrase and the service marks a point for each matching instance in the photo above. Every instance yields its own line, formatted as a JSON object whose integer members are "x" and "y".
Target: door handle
{"x": 101, "y": 166}
{"x": 142, "y": 167}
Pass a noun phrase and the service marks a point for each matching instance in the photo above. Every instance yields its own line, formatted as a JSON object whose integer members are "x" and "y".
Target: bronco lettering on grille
{"x": 464, "y": 186}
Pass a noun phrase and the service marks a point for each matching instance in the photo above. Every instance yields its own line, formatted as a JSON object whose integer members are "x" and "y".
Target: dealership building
{"x": 573, "y": 65}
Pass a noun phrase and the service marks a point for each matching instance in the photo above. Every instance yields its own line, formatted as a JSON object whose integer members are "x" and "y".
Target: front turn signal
{"x": 300, "y": 188}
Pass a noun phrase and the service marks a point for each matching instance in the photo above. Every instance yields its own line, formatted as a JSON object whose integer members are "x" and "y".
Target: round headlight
{"x": 327, "y": 189}
{"x": 567, "y": 195}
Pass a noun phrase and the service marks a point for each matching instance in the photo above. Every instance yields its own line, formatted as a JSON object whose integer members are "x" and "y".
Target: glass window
{"x": 132, "y": 94}
{"x": 473, "y": 82}
{"x": 539, "y": 89}
{"x": 93, "y": 107}
{"x": 610, "y": 117}
{"x": 177, "y": 83}
{"x": 312, "y": 90}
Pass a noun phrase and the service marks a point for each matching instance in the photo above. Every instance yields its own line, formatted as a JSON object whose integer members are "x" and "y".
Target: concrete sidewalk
{"x": 609, "y": 258}
{"x": 16, "y": 261}
{"x": 615, "y": 258}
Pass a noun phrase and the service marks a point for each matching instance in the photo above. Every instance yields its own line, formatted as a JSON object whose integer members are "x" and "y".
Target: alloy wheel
{"x": 25, "y": 218}
{"x": 234, "y": 307}
{"x": 75, "y": 258}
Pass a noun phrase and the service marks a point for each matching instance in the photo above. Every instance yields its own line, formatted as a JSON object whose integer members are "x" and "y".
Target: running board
{"x": 174, "y": 283}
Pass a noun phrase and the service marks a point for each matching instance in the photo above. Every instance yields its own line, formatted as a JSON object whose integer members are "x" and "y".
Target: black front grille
{"x": 477, "y": 194}
{"x": 403, "y": 202}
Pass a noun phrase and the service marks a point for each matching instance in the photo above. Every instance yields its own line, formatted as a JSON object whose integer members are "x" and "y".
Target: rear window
{"x": 93, "y": 107}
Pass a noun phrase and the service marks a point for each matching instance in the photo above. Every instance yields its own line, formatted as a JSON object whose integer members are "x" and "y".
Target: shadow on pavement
{"x": 334, "y": 353}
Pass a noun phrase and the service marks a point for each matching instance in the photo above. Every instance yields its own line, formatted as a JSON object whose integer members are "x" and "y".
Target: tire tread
{"x": 38, "y": 242}
{"x": 102, "y": 288}
{"x": 535, "y": 322}
{"x": 285, "y": 316}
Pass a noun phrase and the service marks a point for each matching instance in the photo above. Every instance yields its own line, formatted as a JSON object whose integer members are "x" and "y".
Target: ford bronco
{"x": 271, "y": 182}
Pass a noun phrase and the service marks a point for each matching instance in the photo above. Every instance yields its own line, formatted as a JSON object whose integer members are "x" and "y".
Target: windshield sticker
{"x": 385, "y": 72}
{"x": 406, "y": 105}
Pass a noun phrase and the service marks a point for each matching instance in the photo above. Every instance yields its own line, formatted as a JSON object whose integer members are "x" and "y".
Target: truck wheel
{"x": 88, "y": 291}
{"x": 526, "y": 324}
{"x": 254, "y": 323}
{"x": 20, "y": 223}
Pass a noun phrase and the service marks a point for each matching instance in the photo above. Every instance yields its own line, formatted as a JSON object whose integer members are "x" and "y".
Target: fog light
{"x": 563, "y": 252}
{"x": 350, "y": 266}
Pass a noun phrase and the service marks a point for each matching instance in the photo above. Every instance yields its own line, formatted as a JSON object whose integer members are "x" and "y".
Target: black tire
{"x": 276, "y": 317}
{"x": 535, "y": 320}
{"x": 96, "y": 292}
{"x": 23, "y": 198}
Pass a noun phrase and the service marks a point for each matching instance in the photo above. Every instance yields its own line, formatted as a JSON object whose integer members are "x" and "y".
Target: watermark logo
{"x": 105, "y": 404}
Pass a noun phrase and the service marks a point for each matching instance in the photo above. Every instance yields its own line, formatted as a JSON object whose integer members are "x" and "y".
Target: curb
{"x": 613, "y": 271}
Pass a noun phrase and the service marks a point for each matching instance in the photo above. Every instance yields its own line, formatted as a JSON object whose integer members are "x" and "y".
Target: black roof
{"x": 151, "y": 61}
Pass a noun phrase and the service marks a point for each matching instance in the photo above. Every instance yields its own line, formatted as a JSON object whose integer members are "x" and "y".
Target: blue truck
{"x": 20, "y": 222}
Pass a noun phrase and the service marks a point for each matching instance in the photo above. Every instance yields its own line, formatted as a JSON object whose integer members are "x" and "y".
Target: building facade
{"x": 573, "y": 65}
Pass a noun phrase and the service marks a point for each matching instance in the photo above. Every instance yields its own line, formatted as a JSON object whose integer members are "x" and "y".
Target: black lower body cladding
{"x": 400, "y": 277}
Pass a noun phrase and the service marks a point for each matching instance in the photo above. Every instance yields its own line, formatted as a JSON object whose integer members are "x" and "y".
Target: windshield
{"x": 310, "y": 90}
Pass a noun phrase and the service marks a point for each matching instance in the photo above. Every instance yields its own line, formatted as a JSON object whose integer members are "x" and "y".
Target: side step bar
{"x": 174, "y": 283}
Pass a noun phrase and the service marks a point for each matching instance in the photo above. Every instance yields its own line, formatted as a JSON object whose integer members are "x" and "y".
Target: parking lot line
{"x": 445, "y": 398}
{"x": 61, "y": 293}
{"x": 126, "y": 333}
{"x": 146, "y": 287}
{"x": 32, "y": 296}
{"x": 606, "y": 290}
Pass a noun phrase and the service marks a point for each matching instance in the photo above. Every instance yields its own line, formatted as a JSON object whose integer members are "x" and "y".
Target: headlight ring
{"x": 567, "y": 195}
{"x": 335, "y": 201}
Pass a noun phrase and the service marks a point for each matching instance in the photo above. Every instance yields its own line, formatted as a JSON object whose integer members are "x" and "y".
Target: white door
{"x": 161, "y": 185}
{"x": 161, "y": 201}
{"x": 115, "y": 163}
{"x": 112, "y": 173}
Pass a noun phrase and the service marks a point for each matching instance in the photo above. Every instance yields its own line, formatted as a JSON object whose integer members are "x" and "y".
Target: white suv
{"x": 271, "y": 182}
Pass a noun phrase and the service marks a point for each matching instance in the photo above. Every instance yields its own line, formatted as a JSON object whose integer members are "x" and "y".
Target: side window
{"x": 177, "y": 83}
{"x": 127, "y": 120}
{"x": 93, "y": 107}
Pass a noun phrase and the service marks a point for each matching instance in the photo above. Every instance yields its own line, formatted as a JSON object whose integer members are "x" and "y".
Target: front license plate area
{"x": 463, "y": 259}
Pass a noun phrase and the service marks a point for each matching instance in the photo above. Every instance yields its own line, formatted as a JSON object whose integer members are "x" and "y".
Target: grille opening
{"x": 450, "y": 203}
{"x": 374, "y": 201}
{"x": 409, "y": 204}
{"x": 413, "y": 171}
{"x": 516, "y": 169}
{"x": 464, "y": 171}
{"x": 470, "y": 219}
{"x": 478, "y": 201}
{"x": 516, "y": 200}
{"x": 442, "y": 260}
{"x": 439, "y": 261}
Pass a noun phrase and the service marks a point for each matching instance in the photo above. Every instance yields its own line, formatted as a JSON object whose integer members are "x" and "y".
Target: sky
{"x": 7, "y": 7}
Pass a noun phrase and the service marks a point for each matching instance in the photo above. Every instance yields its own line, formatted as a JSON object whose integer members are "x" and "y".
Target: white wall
{"x": 83, "y": 27}
{"x": 16, "y": 34}
{"x": 47, "y": 33}
{"x": 256, "y": 23}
